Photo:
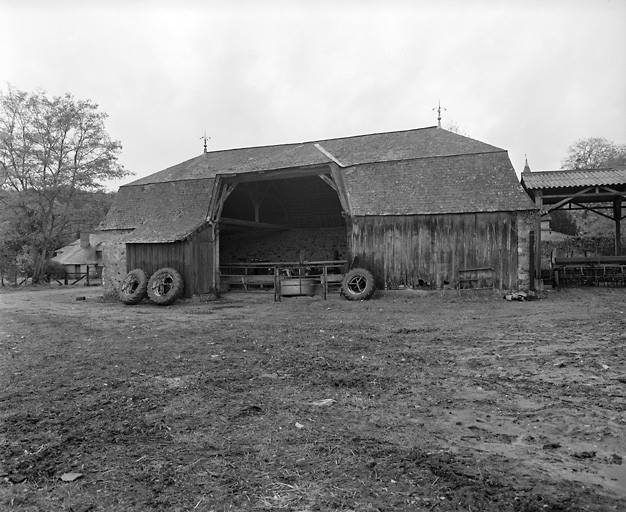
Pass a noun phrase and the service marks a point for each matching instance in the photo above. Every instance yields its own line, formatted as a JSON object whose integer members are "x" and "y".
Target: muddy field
{"x": 405, "y": 402}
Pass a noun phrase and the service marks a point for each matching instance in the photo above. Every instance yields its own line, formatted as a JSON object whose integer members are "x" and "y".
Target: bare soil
{"x": 404, "y": 402}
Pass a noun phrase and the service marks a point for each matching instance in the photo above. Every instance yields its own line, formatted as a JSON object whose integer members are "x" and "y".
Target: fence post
{"x": 87, "y": 275}
{"x": 277, "y": 291}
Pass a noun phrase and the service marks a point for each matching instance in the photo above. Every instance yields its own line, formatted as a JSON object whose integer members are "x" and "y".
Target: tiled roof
{"x": 425, "y": 171}
{"x": 210, "y": 164}
{"x": 379, "y": 147}
{"x": 455, "y": 184}
{"x": 75, "y": 254}
{"x": 160, "y": 212}
{"x": 574, "y": 178}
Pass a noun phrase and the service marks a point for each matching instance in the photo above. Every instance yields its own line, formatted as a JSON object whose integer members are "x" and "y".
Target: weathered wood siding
{"x": 193, "y": 258}
{"x": 431, "y": 249}
{"x": 202, "y": 262}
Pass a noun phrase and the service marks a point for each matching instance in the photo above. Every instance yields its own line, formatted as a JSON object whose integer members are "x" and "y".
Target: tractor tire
{"x": 134, "y": 287}
{"x": 358, "y": 284}
{"x": 165, "y": 286}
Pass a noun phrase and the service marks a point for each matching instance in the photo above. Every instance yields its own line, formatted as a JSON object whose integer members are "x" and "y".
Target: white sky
{"x": 530, "y": 76}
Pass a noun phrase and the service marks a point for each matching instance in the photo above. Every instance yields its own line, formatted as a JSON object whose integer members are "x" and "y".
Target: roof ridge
{"x": 615, "y": 168}
{"x": 498, "y": 150}
{"x": 313, "y": 141}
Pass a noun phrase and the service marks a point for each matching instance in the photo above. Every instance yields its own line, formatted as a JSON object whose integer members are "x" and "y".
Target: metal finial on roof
{"x": 526, "y": 166}
{"x": 438, "y": 109}
{"x": 204, "y": 139}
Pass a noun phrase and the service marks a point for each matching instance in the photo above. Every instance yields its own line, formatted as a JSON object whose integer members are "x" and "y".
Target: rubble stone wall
{"x": 113, "y": 260}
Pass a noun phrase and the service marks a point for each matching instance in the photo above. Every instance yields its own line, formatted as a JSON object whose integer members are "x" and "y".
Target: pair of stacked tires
{"x": 162, "y": 288}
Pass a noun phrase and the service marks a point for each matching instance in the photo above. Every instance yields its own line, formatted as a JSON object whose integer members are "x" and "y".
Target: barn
{"x": 422, "y": 208}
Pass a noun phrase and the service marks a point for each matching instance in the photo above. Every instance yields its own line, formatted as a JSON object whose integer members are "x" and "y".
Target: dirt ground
{"x": 404, "y": 402}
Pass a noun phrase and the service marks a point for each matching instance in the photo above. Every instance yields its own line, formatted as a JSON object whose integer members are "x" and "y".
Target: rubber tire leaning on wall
{"x": 134, "y": 287}
{"x": 358, "y": 284}
{"x": 165, "y": 286}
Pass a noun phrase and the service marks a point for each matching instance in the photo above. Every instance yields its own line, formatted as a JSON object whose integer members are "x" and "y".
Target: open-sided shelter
{"x": 600, "y": 191}
{"x": 414, "y": 207}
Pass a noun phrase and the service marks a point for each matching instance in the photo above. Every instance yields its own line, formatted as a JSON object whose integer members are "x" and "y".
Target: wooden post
{"x": 531, "y": 260}
{"x": 87, "y": 276}
{"x": 537, "y": 263}
{"x": 500, "y": 270}
{"x": 325, "y": 280}
{"x": 617, "y": 215}
{"x": 277, "y": 291}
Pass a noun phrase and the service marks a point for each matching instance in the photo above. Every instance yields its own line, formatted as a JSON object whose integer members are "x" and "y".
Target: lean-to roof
{"x": 160, "y": 212}
{"x": 574, "y": 178}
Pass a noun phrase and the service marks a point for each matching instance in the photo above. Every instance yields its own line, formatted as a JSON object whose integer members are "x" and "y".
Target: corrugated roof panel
{"x": 574, "y": 178}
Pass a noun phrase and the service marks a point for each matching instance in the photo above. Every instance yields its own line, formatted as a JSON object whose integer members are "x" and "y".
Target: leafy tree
{"x": 51, "y": 149}
{"x": 594, "y": 153}
{"x": 563, "y": 222}
{"x": 453, "y": 126}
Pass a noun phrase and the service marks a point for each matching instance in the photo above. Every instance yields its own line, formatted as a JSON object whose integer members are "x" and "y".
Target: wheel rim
{"x": 163, "y": 285}
{"x": 130, "y": 285}
{"x": 357, "y": 284}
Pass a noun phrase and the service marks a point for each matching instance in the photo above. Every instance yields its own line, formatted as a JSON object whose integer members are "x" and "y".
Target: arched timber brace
{"x": 335, "y": 181}
{"x": 221, "y": 191}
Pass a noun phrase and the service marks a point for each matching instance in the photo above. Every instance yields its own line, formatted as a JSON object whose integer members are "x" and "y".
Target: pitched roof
{"x": 453, "y": 184}
{"x": 424, "y": 171}
{"x": 76, "y": 254}
{"x": 574, "y": 178}
{"x": 379, "y": 147}
{"x": 160, "y": 212}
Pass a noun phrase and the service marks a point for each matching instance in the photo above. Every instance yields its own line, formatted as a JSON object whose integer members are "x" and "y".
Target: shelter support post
{"x": 215, "y": 257}
{"x": 537, "y": 263}
{"x": 531, "y": 259}
{"x": 617, "y": 215}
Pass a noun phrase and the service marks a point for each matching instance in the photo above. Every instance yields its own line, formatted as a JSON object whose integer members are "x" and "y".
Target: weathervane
{"x": 204, "y": 139}
{"x": 438, "y": 109}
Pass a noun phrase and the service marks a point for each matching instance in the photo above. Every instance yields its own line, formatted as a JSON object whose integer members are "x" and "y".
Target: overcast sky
{"x": 529, "y": 76}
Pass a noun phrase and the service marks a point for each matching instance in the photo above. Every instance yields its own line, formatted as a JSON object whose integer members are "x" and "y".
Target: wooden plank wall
{"x": 202, "y": 261}
{"x": 431, "y": 249}
{"x": 152, "y": 257}
{"x": 193, "y": 258}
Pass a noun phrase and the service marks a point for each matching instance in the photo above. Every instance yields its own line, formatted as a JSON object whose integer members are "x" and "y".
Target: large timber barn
{"x": 416, "y": 208}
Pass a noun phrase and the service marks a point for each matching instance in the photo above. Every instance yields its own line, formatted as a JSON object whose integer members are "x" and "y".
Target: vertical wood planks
{"x": 431, "y": 249}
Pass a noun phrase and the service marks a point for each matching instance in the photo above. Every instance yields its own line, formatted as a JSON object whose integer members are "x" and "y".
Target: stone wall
{"x": 308, "y": 244}
{"x": 113, "y": 260}
{"x": 526, "y": 222}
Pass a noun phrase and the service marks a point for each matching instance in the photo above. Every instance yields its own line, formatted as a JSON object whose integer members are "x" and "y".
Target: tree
{"x": 594, "y": 153}
{"x": 452, "y": 126}
{"x": 562, "y": 222}
{"x": 50, "y": 150}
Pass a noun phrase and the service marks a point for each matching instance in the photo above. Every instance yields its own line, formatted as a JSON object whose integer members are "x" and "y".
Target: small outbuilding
{"x": 417, "y": 208}
{"x": 83, "y": 257}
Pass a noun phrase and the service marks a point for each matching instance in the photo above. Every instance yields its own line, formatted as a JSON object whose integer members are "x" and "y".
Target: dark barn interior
{"x": 286, "y": 220}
